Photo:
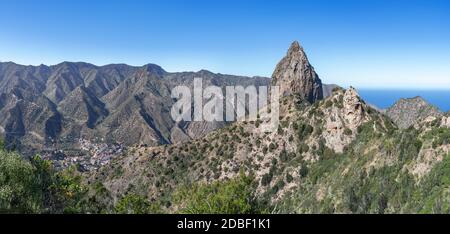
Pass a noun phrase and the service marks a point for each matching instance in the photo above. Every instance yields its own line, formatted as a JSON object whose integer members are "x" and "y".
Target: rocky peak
{"x": 295, "y": 75}
{"x": 353, "y": 107}
{"x": 153, "y": 69}
{"x": 343, "y": 118}
{"x": 409, "y": 111}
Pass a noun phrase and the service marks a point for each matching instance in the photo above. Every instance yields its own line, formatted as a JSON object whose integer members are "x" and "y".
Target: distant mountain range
{"x": 46, "y": 105}
{"x": 50, "y": 107}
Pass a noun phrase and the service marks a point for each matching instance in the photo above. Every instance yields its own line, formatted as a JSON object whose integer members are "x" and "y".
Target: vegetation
{"x": 354, "y": 187}
{"x": 135, "y": 204}
{"x": 374, "y": 174}
{"x": 35, "y": 187}
{"x": 235, "y": 196}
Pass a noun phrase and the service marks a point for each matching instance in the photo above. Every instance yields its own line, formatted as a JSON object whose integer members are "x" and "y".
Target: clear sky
{"x": 365, "y": 43}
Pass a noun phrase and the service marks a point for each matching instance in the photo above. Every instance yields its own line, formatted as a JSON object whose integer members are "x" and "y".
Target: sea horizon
{"x": 384, "y": 98}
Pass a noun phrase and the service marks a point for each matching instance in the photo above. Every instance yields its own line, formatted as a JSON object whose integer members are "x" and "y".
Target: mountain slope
{"x": 112, "y": 103}
{"x": 322, "y": 159}
{"x": 154, "y": 171}
{"x": 336, "y": 155}
{"x": 409, "y": 111}
{"x": 81, "y": 105}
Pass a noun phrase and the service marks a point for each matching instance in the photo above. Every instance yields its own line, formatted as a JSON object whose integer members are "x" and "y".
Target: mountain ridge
{"x": 108, "y": 89}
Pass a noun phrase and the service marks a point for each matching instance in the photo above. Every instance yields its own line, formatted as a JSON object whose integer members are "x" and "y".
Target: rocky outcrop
{"x": 445, "y": 122}
{"x": 354, "y": 111}
{"x": 295, "y": 75}
{"x": 409, "y": 111}
{"x": 342, "y": 120}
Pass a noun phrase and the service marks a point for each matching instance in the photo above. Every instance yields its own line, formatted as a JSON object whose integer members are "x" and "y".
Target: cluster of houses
{"x": 87, "y": 156}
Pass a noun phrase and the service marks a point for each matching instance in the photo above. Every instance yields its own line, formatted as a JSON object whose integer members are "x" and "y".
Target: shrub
{"x": 35, "y": 187}
{"x": 272, "y": 146}
{"x": 304, "y": 131}
{"x": 284, "y": 155}
{"x": 348, "y": 131}
{"x": 280, "y": 130}
{"x": 134, "y": 204}
{"x": 289, "y": 178}
{"x": 235, "y": 196}
{"x": 265, "y": 149}
{"x": 19, "y": 191}
{"x": 303, "y": 172}
{"x": 303, "y": 148}
{"x": 266, "y": 179}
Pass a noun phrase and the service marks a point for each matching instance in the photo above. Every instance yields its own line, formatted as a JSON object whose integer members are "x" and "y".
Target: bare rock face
{"x": 295, "y": 75}
{"x": 341, "y": 124}
{"x": 353, "y": 108}
{"x": 445, "y": 122}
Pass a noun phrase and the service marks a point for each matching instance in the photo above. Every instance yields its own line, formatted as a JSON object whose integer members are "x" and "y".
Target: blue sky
{"x": 365, "y": 43}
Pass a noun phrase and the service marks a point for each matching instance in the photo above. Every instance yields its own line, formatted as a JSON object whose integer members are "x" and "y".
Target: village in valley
{"x": 87, "y": 155}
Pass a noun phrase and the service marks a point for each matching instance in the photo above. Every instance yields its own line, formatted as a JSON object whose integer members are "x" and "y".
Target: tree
{"x": 303, "y": 172}
{"x": 266, "y": 179}
{"x": 19, "y": 189}
{"x": 348, "y": 131}
{"x": 33, "y": 186}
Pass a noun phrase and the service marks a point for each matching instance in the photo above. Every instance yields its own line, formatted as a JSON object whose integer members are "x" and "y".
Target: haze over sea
{"x": 384, "y": 98}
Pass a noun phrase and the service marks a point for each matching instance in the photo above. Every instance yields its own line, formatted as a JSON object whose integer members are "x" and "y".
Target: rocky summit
{"x": 295, "y": 75}
{"x": 409, "y": 111}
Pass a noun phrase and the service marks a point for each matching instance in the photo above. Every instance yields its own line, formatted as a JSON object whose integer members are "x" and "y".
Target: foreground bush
{"x": 235, "y": 196}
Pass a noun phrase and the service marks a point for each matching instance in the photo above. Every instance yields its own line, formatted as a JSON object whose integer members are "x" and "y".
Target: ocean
{"x": 384, "y": 98}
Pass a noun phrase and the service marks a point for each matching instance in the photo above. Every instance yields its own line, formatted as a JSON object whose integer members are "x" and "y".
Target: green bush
{"x": 289, "y": 178}
{"x": 284, "y": 156}
{"x": 235, "y": 196}
{"x": 135, "y": 204}
{"x": 266, "y": 179}
{"x": 35, "y": 187}
{"x": 272, "y": 146}
{"x": 348, "y": 131}
{"x": 303, "y": 172}
{"x": 280, "y": 130}
{"x": 265, "y": 149}
{"x": 19, "y": 188}
{"x": 303, "y": 148}
{"x": 304, "y": 130}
